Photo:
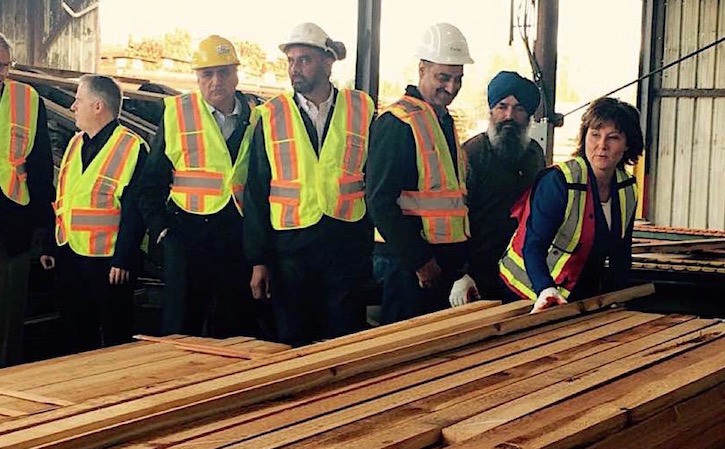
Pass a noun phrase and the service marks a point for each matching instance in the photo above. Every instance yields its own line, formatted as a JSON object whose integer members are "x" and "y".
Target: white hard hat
{"x": 443, "y": 43}
{"x": 310, "y": 34}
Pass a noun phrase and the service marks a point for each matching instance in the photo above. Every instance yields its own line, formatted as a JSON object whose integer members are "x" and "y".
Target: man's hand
{"x": 547, "y": 298}
{"x": 428, "y": 274}
{"x": 118, "y": 276}
{"x": 260, "y": 282}
{"x": 464, "y": 291}
{"x": 47, "y": 262}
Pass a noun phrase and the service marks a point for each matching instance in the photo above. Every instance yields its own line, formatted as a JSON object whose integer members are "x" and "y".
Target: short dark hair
{"x": 625, "y": 118}
{"x": 107, "y": 90}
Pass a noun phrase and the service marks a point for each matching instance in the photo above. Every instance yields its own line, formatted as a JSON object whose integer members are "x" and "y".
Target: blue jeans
{"x": 402, "y": 296}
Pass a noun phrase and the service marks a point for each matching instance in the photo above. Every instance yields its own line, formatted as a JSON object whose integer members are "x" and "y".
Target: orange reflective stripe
{"x": 188, "y": 117}
{"x": 358, "y": 131}
{"x": 62, "y": 175}
{"x": 287, "y": 195}
{"x": 101, "y": 224}
{"x": 283, "y": 136}
{"x": 106, "y": 184}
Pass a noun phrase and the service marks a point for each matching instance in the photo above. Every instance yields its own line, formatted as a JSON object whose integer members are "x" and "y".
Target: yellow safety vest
{"x": 204, "y": 178}
{"x": 88, "y": 203}
{"x": 439, "y": 198}
{"x": 19, "y": 106}
{"x": 573, "y": 241}
{"x": 304, "y": 187}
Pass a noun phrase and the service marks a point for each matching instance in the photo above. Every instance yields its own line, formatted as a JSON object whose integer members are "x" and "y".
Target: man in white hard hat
{"x": 415, "y": 185}
{"x": 26, "y": 193}
{"x": 191, "y": 200}
{"x": 306, "y": 229}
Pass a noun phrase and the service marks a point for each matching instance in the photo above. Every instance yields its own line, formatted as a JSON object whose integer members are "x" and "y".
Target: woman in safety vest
{"x": 579, "y": 214}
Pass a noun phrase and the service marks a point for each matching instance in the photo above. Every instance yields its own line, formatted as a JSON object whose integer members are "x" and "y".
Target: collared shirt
{"x": 227, "y": 122}
{"x": 318, "y": 114}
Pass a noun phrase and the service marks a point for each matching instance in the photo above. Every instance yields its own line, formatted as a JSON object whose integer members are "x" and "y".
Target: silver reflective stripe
{"x": 288, "y": 216}
{"x": 358, "y": 124}
{"x": 86, "y": 220}
{"x": 567, "y": 230}
{"x": 189, "y": 127}
{"x": 22, "y": 102}
{"x": 283, "y": 136}
{"x": 284, "y": 192}
{"x": 351, "y": 187}
{"x": 440, "y": 228}
{"x": 194, "y": 202}
{"x": 345, "y": 206}
{"x": 428, "y": 151}
{"x": 118, "y": 156}
{"x": 186, "y": 180}
{"x": 421, "y": 204}
{"x": 99, "y": 240}
{"x": 517, "y": 272}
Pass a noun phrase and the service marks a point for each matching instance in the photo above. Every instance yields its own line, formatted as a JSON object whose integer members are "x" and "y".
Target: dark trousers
{"x": 318, "y": 295}
{"x": 402, "y": 296}
{"x": 208, "y": 294}
{"x": 14, "y": 272}
{"x": 94, "y": 313}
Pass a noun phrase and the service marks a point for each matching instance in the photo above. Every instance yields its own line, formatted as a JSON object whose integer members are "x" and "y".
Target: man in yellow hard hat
{"x": 191, "y": 200}
{"x": 415, "y": 184}
{"x": 306, "y": 230}
{"x": 26, "y": 193}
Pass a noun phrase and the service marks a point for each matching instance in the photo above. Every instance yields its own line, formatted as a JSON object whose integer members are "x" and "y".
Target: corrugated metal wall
{"x": 44, "y": 34}
{"x": 688, "y": 169}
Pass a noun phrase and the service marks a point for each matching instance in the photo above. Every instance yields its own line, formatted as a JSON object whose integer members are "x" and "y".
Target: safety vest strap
{"x": 283, "y": 137}
{"x": 432, "y": 204}
{"x": 287, "y": 194}
{"x": 356, "y": 130}
{"x": 575, "y": 174}
{"x": 102, "y": 226}
{"x": 627, "y": 191}
{"x": 110, "y": 172}
{"x": 23, "y": 110}
{"x": 188, "y": 116}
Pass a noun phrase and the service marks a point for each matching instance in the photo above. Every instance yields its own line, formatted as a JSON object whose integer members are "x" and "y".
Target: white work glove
{"x": 464, "y": 291}
{"x": 547, "y": 298}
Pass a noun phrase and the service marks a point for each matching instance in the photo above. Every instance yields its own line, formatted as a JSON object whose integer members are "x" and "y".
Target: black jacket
{"x": 262, "y": 243}
{"x": 216, "y": 233}
{"x": 392, "y": 168}
{"x": 17, "y": 223}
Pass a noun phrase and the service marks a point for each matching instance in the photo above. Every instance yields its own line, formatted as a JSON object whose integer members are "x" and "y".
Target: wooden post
{"x": 545, "y": 52}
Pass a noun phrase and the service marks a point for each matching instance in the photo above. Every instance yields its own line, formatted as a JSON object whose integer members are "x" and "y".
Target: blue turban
{"x": 511, "y": 83}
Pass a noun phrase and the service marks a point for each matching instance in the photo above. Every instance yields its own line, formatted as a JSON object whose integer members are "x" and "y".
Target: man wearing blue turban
{"x": 502, "y": 163}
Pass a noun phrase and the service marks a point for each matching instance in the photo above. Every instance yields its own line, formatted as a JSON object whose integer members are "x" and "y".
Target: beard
{"x": 302, "y": 85}
{"x": 508, "y": 139}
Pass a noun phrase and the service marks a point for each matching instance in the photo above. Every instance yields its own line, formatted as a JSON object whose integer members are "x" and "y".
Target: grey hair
{"x": 106, "y": 89}
{"x": 5, "y": 44}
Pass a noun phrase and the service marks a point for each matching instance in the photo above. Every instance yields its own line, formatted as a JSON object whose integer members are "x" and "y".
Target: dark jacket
{"x": 392, "y": 168}
{"x": 548, "y": 205}
{"x": 262, "y": 243}
{"x": 493, "y": 188}
{"x": 131, "y": 228}
{"x": 17, "y": 223}
{"x": 216, "y": 233}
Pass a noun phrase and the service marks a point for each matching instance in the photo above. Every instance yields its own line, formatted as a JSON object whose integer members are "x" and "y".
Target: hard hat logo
{"x": 443, "y": 43}
{"x": 214, "y": 51}
{"x": 223, "y": 50}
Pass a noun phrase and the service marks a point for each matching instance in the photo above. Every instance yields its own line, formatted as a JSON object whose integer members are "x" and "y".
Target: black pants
{"x": 208, "y": 294}
{"x": 317, "y": 295}
{"x": 94, "y": 313}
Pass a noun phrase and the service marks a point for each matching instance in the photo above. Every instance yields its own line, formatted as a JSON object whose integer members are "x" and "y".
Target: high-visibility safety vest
{"x": 204, "y": 177}
{"x": 18, "y": 124}
{"x": 88, "y": 203}
{"x": 439, "y": 200}
{"x": 573, "y": 242}
{"x": 304, "y": 187}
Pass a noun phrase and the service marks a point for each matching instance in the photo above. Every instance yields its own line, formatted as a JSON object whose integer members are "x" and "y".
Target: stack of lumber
{"x": 478, "y": 376}
{"x": 678, "y": 250}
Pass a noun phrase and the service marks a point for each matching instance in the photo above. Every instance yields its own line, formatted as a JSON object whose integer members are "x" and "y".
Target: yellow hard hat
{"x": 214, "y": 51}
